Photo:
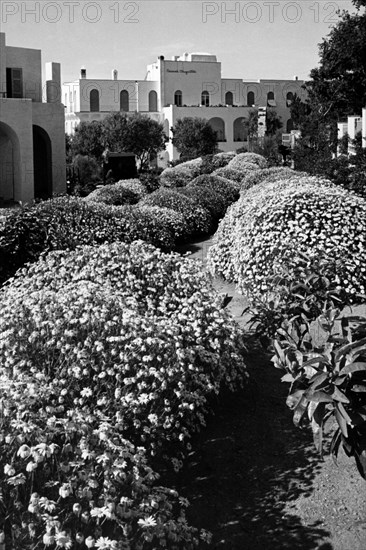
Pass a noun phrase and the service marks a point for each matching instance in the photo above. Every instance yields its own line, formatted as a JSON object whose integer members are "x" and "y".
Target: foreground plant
{"x": 328, "y": 380}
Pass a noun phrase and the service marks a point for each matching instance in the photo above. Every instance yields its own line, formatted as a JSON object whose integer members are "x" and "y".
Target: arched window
{"x": 153, "y": 101}
{"x": 240, "y": 129}
{"x": 289, "y": 125}
{"x": 271, "y": 99}
{"x": 250, "y": 99}
{"x": 94, "y": 101}
{"x": 124, "y": 101}
{"x": 218, "y": 125}
{"x": 178, "y": 98}
{"x": 205, "y": 98}
{"x": 229, "y": 100}
{"x": 289, "y": 98}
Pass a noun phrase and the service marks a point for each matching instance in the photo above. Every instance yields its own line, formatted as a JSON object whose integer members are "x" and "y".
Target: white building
{"x": 32, "y": 133}
{"x": 353, "y": 126}
{"x": 185, "y": 86}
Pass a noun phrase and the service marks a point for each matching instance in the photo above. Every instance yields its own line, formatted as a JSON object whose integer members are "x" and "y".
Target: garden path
{"x": 255, "y": 481}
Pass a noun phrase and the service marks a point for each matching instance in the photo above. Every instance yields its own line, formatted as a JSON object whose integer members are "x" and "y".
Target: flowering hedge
{"x": 226, "y": 188}
{"x": 210, "y": 163}
{"x": 208, "y": 199}
{"x": 181, "y": 174}
{"x": 67, "y": 222}
{"x": 104, "y": 350}
{"x": 275, "y": 173}
{"x": 231, "y": 174}
{"x": 197, "y": 218}
{"x": 242, "y": 159}
{"x": 270, "y": 224}
{"x": 172, "y": 220}
{"x": 117, "y": 194}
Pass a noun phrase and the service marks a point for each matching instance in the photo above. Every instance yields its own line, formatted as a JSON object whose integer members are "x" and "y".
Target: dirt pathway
{"x": 256, "y": 482}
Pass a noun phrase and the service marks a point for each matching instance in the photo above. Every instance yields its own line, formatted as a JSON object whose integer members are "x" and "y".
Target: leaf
{"x": 349, "y": 347}
{"x": 318, "y": 380}
{"x": 317, "y": 436}
{"x": 287, "y": 378}
{"x": 294, "y": 398}
{"x": 341, "y": 422}
{"x": 337, "y": 395}
{"x": 319, "y": 397}
{"x": 353, "y": 367}
{"x": 358, "y": 388}
{"x": 300, "y": 410}
{"x": 334, "y": 446}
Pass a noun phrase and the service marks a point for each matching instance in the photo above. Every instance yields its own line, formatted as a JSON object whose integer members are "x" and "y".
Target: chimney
{"x": 82, "y": 73}
{"x": 114, "y": 74}
{"x": 296, "y": 78}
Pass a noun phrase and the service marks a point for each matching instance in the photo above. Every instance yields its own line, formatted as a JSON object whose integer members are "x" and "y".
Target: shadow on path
{"x": 250, "y": 464}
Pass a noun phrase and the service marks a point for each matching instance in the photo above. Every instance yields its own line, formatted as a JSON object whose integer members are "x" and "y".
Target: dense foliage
{"x": 264, "y": 231}
{"x": 117, "y": 194}
{"x": 246, "y": 161}
{"x": 194, "y": 137}
{"x": 198, "y": 219}
{"x": 67, "y": 222}
{"x": 181, "y": 174}
{"x": 103, "y": 351}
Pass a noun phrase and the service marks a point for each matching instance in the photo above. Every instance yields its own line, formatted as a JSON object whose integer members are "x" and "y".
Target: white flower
{"x": 149, "y": 521}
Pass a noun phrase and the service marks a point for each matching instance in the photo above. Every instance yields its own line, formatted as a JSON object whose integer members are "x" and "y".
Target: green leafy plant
{"x": 328, "y": 380}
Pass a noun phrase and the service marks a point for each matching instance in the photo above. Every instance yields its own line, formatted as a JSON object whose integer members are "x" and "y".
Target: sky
{"x": 269, "y": 39}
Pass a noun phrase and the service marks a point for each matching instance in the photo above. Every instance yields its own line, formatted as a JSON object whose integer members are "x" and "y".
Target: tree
{"x": 338, "y": 85}
{"x": 194, "y": 137}
{"x": 88, "y": 140}
{"x": 273, "y": 123}
{"x": 138, "y": 134}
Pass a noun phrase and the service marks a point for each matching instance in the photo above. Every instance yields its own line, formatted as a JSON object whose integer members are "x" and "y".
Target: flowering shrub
{"x": 210, "y": 163}
{"x": 117, "y": 194}
{"x": 197, "y": 218}
{"x": 102, "y": 350}
{"x": 67, "y": 222}
{"x": 172, "y": 220}
{"x": 181, "y": 174}
{"x": 209, "y": 199}
{"x": 273, "y": 222}
{"x": 242, "y": 159}
{"x": 230, "y": 174}
{"x": 275, "y": 173}
{"x": 218, "y": 184}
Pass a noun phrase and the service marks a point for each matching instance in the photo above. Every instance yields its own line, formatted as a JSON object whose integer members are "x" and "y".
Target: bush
{"x": 271, "y": 224}
{"x": 67, "y": 222}
{"x": 218, "y": 184}
{"x": 102, "y": 349}
{"x": 210, "y": 163}
{"x": 181, "y": 174}
{"x": 269, "y": 175}
{"x": 150, "y": 180}
{"x": 209, "y": 199}
{"x": 118, "y": 194}
{"x": 241, "y": 160}
{"x": 171, "y": 219}
{"x": 231, "y": 174}
{"x": 197, "y": 218}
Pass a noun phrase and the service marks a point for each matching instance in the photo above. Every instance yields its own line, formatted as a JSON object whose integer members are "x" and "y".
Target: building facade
{"x": 32, "y": 132}
{"x": 185, "y": 86}
{"x": 353, "y": 126}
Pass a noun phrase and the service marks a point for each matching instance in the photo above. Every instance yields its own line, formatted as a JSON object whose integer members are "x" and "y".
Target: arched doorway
{"x": 124, "y": 101}
{"x": 10, "y": 174}
{"x": 153, "y": 101}
{"x": 42, "y": 163}
{"x": 240, "y": 129}
{"x": 218, "y": 125}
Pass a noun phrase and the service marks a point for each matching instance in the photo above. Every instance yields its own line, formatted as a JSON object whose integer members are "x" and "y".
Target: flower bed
{"x": 104, "y": 350}
{"x": 242, "y": 159}
{"x": 218, "y": 184}
{"x": 275, "y": 173}
{"x": 270, "y": 224}
{"x": 120, "y": 193}
{"x": 181, "y": 174}
{"x": 67, "y": 222}
{"x": 197, "y": 218}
